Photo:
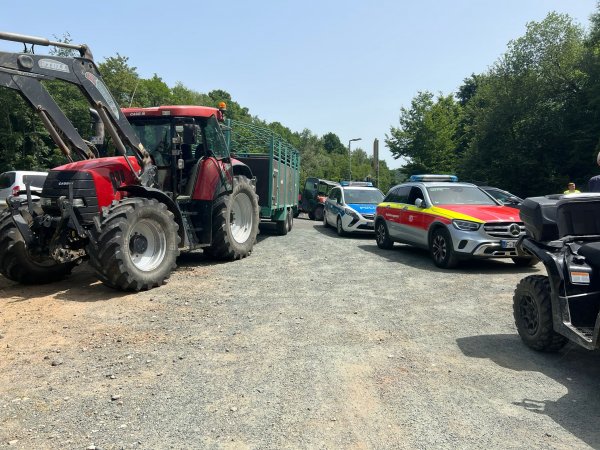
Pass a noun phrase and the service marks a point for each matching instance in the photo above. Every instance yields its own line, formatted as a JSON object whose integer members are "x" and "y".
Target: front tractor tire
{"x": 235, "y": 222}
{"x": 532, "y": 310}
{"x": 17, "y": 263}
{"x": 137, "y": 246}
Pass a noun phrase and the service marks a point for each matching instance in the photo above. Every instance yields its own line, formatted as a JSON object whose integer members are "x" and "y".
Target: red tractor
{"x": 174, "y": 186}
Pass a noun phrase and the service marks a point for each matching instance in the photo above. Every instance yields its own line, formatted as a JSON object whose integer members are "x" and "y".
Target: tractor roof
{"x": 175, "y": 110}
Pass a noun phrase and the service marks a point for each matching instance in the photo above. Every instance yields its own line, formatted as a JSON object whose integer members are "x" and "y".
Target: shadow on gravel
{"x": 330, "y": 231}
{"x": 419, "y": 258}
{"x": 81, "y": 286}
{"x": 578, "y": 370}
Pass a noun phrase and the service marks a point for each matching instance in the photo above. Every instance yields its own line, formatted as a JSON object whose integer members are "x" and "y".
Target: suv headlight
{"x": 351, "y": 213}
{"x": 465, "y": 225}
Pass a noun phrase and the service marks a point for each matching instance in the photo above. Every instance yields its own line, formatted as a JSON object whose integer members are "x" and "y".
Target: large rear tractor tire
{"x": 235, "y": 222}
{"x": 532, "y": 309}
{"x": 137, "y": 246}
{"x": 17, "y": 263}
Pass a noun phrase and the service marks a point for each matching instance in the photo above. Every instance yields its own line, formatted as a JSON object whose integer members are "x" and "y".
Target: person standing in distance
{"x": 572, "y": 189}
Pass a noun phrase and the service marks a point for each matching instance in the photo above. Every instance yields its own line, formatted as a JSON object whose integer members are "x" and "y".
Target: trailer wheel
{"x": 137, "y": 246}
{"x": 18, "y": 264}
{"x": 235, "y": 222}
{"x": 282, "y": 226}
{"x": 532, "y": 310}
{"x": 290, "y": 220}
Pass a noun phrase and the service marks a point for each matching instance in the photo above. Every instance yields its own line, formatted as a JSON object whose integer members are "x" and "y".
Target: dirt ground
{"x": 314, "y": 341}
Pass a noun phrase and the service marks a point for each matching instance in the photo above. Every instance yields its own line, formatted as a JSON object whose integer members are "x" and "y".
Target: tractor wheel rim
{"x": 529, "y": 314}
{"x": 241, "y": 218}
{"x": 147, "y": 245}
{"x": 439, "y": 248}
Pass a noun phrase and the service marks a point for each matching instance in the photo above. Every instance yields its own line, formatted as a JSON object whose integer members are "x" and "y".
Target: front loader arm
{"x": 57, "y": 124}
{"x": 24, "y": 72}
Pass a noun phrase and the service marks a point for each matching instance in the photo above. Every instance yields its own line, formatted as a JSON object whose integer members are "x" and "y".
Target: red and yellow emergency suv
{"x": 452, "y": 220}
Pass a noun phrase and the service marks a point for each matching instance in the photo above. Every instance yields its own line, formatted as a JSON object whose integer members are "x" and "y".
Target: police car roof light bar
{"x": 431, "y": 177}
{"x": 356, "y": 183}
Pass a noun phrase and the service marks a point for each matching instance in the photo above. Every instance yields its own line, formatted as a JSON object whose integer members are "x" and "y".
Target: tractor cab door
{"x": 213, "y": 174}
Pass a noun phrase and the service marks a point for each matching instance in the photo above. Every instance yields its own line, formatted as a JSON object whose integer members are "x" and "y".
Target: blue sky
{"x": 330, "y": 66}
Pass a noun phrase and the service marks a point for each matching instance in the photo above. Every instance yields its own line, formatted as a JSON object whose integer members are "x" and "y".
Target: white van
{"x": 15, "y": 181}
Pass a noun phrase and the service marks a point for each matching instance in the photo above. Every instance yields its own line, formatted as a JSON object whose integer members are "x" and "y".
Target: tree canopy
{"x": 529, "y": 124}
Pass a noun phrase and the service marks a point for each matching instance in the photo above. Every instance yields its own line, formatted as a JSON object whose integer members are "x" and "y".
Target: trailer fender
{"x": 148, "y": 192}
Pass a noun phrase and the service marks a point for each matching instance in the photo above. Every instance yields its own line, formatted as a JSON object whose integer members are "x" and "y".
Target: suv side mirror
{"x": 420, "y": 203}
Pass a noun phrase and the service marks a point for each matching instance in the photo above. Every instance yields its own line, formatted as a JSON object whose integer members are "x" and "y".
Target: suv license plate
{"x": 508, "y": 244}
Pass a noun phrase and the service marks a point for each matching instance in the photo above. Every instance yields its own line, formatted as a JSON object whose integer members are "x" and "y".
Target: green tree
{"x": 122, "y": 79}
{"x": 427, "y": 135}
{"x": 522, "y": 133}
{"x": 332, "y": 144}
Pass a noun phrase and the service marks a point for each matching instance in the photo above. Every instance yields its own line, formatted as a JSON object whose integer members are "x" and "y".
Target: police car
{"x": 452, "y": 220}
{"x": 351, "y": 207}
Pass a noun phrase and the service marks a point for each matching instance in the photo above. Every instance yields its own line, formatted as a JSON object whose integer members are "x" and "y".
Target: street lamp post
{"x": 350, "y": 155}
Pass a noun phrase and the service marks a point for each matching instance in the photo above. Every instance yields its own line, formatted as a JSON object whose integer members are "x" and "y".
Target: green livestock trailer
{"x": 276, "y": 166}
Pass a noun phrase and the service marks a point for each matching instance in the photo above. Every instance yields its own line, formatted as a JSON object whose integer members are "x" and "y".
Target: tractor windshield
{"x": 201, "y": 136}
{"x": 155, "y": 135}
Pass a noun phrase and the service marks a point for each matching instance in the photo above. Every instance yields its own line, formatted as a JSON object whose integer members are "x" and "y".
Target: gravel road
{"x": 314, "y": 341}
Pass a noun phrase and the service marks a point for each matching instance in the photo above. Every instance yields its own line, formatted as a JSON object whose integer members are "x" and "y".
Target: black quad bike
{"x": 563, "y": 232}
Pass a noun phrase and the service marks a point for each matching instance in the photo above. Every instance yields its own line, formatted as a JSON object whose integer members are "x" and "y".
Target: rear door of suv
{"x": 391, "y": 210}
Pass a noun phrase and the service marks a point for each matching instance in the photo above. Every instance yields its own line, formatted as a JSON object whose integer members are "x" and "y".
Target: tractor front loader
{"x": 112, "y": 211}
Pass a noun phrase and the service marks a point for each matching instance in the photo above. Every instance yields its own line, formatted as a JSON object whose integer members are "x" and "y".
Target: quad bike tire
{"x": 235, "y": 222}
{"x": 16, "y": 261}
{"x": 137, "y": 246}
{"x": 532, "y": 310}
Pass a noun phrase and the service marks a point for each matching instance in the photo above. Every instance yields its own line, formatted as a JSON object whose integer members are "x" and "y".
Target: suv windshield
{"x": 363, "y": 195}
{"x": 458, "y": 195}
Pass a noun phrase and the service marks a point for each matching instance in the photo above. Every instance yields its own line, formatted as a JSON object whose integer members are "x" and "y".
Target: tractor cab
{"x": 179, "y": 139}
